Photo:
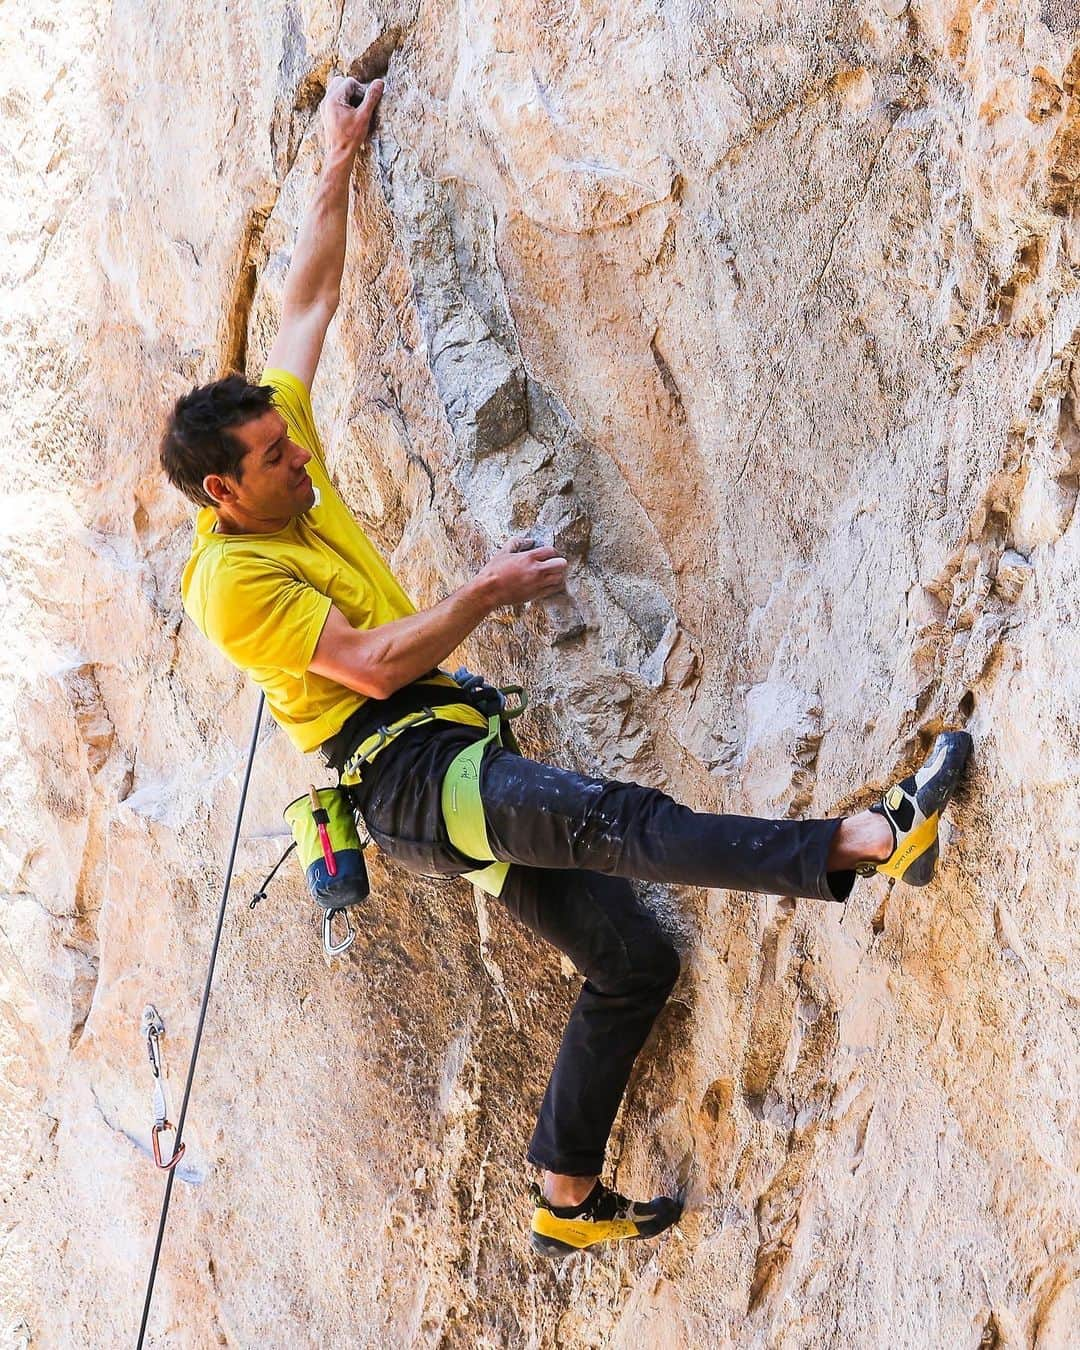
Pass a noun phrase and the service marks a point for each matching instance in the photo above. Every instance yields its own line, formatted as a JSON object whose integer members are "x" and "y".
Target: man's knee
{"x": 655, "y": 963}
{"x": 624, "y": 949}
{"x": 666, "y": 962}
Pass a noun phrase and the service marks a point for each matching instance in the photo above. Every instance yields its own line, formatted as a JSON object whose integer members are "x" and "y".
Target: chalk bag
{"x": 328, "y": 846}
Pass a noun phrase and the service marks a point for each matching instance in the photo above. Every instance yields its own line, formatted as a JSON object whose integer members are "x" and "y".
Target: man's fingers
{"x": 350, "y": 93}
{"x": 371, "y": 97}
{"x": 558, "y": 589}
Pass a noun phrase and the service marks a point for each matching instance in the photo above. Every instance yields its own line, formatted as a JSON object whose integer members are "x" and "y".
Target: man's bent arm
{"x": 378, "y": 661}
{"x": 313, "y": 285}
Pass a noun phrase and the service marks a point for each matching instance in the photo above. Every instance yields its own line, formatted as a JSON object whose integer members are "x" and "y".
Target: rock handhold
{"x": 499, "y": 415}
{"x": 374, "y": 61}
{"x": 1012, "y": 576}
{"x": 561, "y": 524}
{"x": 482, "y": 389}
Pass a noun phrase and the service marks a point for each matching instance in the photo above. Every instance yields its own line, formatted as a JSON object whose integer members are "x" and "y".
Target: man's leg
{"x": 628, "y": 964}
{"x": 541, "y": 816}
{"x": 557, "y": 822}
{"x": 629, "y": 967}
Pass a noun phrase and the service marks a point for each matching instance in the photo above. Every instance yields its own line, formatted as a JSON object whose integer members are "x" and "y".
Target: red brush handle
{"x": 324, "y": 836}
{"x": 327, "y": 851}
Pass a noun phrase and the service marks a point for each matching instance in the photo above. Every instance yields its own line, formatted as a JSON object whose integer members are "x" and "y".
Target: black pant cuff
{"x": 834, "y": 886}
{"x": 565, "y": 1166}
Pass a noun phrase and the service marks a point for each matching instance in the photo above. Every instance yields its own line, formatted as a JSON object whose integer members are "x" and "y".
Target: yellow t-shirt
{"x": 263, "y": 598}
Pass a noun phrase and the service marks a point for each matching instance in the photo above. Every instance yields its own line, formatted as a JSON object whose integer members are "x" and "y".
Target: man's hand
{"x": 520, "y": 571}
{"x": 345, "y": 126}
{"x": 313, "y": 286}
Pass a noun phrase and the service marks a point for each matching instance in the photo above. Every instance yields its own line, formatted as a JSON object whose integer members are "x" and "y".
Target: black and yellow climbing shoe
{"x": 913, "y": 809}
{"x": 604, "y": 1216}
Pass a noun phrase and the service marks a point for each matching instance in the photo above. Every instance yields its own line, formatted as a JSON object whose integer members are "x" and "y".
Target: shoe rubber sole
{"x": 546, "y": 1244}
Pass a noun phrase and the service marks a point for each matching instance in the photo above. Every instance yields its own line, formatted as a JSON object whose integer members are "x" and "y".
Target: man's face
{"x": 273, "y": 482}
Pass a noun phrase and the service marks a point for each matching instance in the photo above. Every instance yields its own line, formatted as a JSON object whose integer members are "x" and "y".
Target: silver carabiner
{"x": 329, "y": 946}
{"x": 153, "y": 1028}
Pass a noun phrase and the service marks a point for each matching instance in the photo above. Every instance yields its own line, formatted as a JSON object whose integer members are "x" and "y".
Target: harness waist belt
{"x": 386, "y": 714}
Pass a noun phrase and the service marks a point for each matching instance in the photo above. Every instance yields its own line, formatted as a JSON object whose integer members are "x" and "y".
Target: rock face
{"x": 770, "y": 316}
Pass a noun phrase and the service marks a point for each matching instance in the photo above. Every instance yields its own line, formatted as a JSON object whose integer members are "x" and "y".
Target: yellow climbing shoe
{"x": 603, "y": 1216}
{"x": 913, "y": 809}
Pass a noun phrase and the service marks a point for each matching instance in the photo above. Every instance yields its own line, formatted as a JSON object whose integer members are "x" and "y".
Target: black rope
{"x": 202, "y": 1018}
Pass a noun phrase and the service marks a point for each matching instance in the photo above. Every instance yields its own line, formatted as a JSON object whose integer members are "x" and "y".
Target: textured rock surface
{"x": 769, "y": 314}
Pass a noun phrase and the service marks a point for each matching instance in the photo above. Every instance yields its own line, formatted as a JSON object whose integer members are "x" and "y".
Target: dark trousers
{"x": 576, "y": 842}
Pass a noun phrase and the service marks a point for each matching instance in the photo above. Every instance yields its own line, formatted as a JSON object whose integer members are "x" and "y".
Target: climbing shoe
{"x": 913, "y": 809}
{"x": 604, "y": 1216}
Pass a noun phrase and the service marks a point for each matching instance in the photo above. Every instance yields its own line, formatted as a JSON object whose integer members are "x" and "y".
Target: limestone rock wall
{"x": 769, "y": 315}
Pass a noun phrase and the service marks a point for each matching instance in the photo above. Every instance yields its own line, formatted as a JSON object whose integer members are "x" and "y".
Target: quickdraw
{"x": 153, "y": 1029}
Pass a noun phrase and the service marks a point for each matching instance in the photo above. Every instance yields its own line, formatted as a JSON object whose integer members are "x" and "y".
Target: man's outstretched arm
{"x": 378, "y": 661}
{"x": 313, "y": 286}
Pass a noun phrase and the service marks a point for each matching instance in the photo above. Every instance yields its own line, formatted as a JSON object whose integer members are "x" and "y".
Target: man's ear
{"x": 219, "y": 488}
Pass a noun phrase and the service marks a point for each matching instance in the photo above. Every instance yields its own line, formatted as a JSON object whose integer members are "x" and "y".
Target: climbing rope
{"x": 177, "y": 1145}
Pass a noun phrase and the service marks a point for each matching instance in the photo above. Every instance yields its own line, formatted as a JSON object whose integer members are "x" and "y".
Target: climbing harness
{"x": 324, "y": 821}
{"x": 153, "y": 1029}
{"x": 177, "y": 1144}
{"x": 462, "y": 807}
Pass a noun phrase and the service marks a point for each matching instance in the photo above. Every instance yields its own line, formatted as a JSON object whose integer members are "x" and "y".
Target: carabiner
{"x": 329, "y": 946}
{"x": 522, "y": 701}
{"x": 153, "y": 1028}
{"x": 159, "y": 1128}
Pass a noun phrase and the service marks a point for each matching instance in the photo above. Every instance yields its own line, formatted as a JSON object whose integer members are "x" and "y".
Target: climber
{"x": 287, "y": 585}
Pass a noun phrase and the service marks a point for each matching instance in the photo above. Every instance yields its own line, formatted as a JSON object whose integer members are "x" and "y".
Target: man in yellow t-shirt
{"x": 287, "y": 585}
{"x": 265, "y": 595}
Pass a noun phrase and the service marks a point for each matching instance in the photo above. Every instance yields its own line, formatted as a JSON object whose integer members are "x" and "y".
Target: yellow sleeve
{"x": 292, "y": 400}
{"x": 263, "y": 616}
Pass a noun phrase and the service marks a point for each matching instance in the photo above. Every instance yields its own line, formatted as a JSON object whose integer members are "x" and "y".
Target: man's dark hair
{"x": 198, "y": 438}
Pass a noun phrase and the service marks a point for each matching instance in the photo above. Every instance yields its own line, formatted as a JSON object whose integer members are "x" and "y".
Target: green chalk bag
{"x": 326, "y": 840}
{"x": 328, "y": 845}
